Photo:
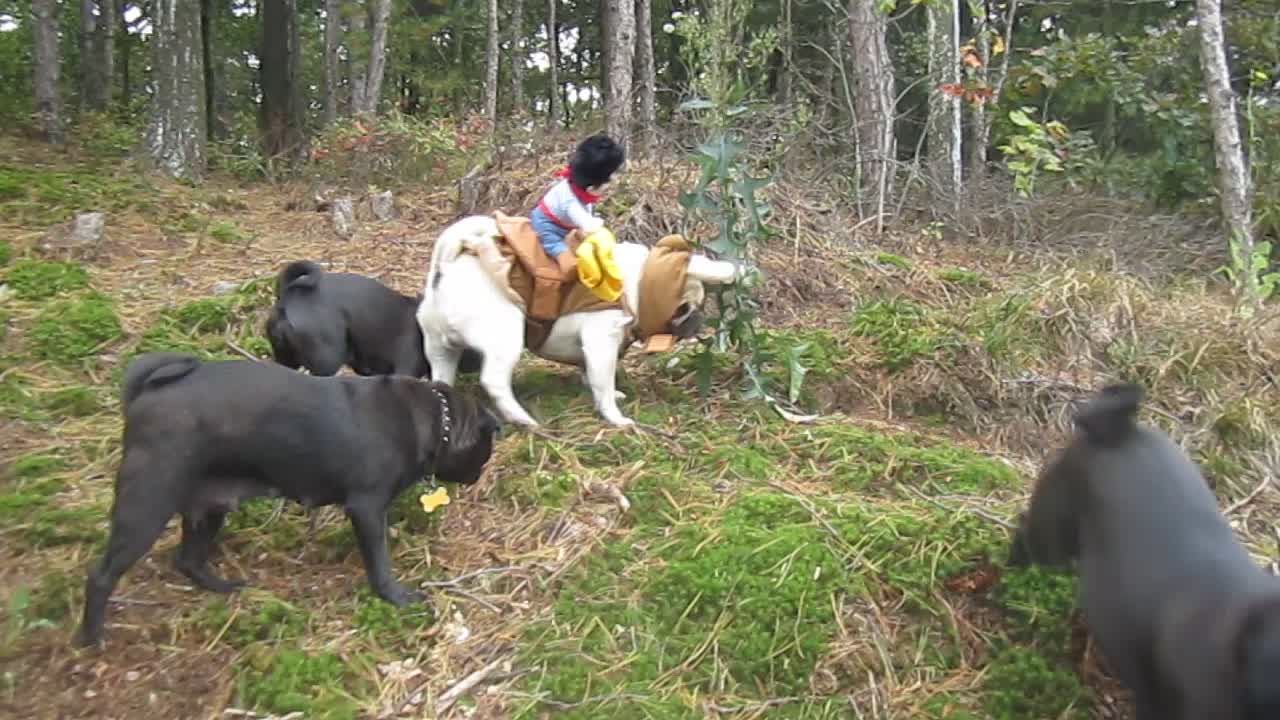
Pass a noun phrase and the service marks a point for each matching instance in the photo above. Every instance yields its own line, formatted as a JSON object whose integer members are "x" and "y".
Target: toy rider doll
{"x": 568, "y": 206}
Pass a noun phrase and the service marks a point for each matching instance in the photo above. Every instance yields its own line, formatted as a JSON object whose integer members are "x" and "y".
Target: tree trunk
{"x": 97, "y": 53}
{"x": 553, "y": 52}
{"x": 357, "y": 57}
{"x": 48, "y": 67}
{"x": 176, "y": 137}
{"x": 126, "y": 53}
{"x": 491, "y": 65}
{"x": 1233, "y": 174}
{"x": 519, "y": 55}
{"x": 874, "y": 100}
{"x": 332, "y": 38}
{"x": 982, "y": 120}
{"x": 105, "y": 45}
{"x": 945, "y": 129}
{"x": 622, "y": 46}
{"x": 787, "y": 41}
{"x": 372, "y": 95}
{"x": 212, "y": 107}
{"x": 90, "y": 80}
{"x": 281, "y": 100}
{"x": 647, "y": 82}
{"x": 605, "y": 13}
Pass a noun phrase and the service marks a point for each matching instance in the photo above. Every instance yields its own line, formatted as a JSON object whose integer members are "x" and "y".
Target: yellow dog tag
{"x": 432, "y": 500}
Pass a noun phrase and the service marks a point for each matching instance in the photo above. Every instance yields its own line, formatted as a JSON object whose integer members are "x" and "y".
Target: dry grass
{"x": 546, "y": 590}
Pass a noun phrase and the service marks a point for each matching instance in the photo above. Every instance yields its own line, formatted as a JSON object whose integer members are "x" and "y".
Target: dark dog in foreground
{"x": 1185, "y": 618}
{"x": 199, "y": 437}
{"x": 322, "y": 321}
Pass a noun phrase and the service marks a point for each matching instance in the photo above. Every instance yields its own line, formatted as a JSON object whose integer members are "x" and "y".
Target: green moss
{"x": 1021, "y": 683}
{"x": 857, "y": 459}
{"x": 903, "y": 331}
{"x": 56, "y": 597}
{"x": 41, "y": 279}
{"x": 42, "y": 196}
{"x": 55, "y": 527}
{"x": 1039, "y": 602}
{"x": 291, "y": 680}
{"x": 203, "y": 327}
{"x": 75, "y": 401}
{"x": 228, "y": 232}
{"x": 18, "y": 401}
{"x": 961, "y": 277}
{"x": 386, "y": 623}
{"x": 37, "y": 465}
{"x": 254, "y": 617}
{"x": 70, "y": 330}
{"x": 6, "y": 248}
{"x": 887, "y": 258}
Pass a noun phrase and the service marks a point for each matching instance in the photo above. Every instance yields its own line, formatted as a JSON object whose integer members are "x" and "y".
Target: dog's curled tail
{"x": 151, "y": 370}
{"x": 299, "y": 274}
{"x": 1111, "y": 417}
{"x": 456, "y": 238}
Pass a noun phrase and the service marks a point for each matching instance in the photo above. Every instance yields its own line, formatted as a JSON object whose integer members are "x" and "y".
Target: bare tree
{"x": 945, "y": 129}
{"x": 97, "y": 53}
{"x": 332, "y": 38}
{"x": 377, "y": 67}
{"x": 621, "y": 28}
{"x": 281, "y": 96}
{"x": 1233, "y": 174}
{"x": 647, "y": 78}
{"x": 97, "y": 29}
{"x": 993, "y": 81}
{"x": 553, "y": 51}
{"x": 357, "y": 60}
{"x": 874, "y": 103}
{"x": 48, "y": 66}
{"x": 519, "y": 55}
{"x": 176, "y": 136}
{"x": 491, "y": 65}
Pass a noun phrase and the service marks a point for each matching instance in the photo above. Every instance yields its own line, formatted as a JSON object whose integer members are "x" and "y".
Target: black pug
{"x": 1182, "y": 614}
{"x": 322, "y": 321}
{"x": 199, "y": 437}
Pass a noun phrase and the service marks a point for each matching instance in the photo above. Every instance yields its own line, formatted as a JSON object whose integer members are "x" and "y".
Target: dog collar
{"x": 446, "y": 418}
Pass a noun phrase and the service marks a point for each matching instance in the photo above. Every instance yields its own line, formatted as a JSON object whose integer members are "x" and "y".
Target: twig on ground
{"x": 752, "y": 707}
{"x": 1266, "y": 480}
{"x": 450, "y": 696}
{"x": 585, "y": 701}
{"x": 467, "y": 576}
{"x": 231, "y": 344}
{"x": 976, "y": 511}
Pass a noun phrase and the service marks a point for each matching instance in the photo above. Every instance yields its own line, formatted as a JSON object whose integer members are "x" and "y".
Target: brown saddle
{"x": 537, "y": 279}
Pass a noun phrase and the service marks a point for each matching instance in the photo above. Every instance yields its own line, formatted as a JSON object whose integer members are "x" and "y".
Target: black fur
{"x": 1182, "y": 614}
{"x": 200, "y": 437}
{"x": 595, "y": 160}
{"x": 322, "y": 321}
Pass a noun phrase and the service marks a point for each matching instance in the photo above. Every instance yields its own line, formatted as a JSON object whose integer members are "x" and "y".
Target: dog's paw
{"x": 399, "y": 595}
{"x": 621, "y": 421}
{"x": 85, "y": 638}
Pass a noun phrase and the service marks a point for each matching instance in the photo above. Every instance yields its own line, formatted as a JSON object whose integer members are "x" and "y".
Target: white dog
{"x": 463, "y": 306}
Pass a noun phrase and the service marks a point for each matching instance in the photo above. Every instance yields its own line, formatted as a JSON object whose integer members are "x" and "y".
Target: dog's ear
{"x": 1110, "y": 417}
{"x": 712, "y": 272}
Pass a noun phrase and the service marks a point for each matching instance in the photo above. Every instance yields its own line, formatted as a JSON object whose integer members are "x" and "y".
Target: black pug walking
{"x": 1182, "y": 614}
{"x": 322, "y": 321}
{"x": 199, "y": 437}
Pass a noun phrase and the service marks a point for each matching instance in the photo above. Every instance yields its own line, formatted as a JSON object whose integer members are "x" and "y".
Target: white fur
{"x": 469, "y": 309}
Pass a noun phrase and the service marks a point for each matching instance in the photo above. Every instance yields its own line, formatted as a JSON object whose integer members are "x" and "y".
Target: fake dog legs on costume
{"x": 464, "y": 307}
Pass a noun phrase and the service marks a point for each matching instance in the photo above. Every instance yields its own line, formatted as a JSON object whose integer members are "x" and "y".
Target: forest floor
{"x": 849, "y": 567}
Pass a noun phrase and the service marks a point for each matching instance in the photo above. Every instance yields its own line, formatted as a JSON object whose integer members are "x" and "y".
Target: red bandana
{"x": 585, "y": 197}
